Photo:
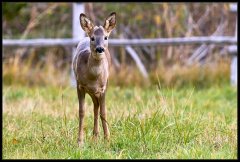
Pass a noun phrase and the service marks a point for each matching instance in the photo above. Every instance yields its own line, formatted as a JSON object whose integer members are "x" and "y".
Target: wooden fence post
{"x": 77, "y": 32}
{"x": 233, "y": 50}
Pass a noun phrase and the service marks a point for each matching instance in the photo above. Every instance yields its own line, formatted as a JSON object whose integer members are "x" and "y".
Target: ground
{"x": 149, "y": 123}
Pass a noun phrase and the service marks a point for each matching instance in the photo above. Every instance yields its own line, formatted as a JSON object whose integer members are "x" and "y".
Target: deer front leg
{"x": 96, "y": 113}
{"x": 81, "y": 97}
{"x": 103, "y": 116}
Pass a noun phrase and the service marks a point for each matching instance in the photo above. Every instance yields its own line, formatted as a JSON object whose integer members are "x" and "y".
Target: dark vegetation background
{"x": 165, "y": 64}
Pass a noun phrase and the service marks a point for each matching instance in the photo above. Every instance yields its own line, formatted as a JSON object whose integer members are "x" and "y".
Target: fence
{"x": 78, "y": 33}
{"x": 220, "y": 40}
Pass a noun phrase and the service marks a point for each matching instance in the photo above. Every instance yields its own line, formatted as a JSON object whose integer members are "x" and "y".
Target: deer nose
{"x": 99, "y": 49}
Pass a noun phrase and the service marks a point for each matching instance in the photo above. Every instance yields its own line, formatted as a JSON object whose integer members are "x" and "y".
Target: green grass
{"x": 186, "y": 123}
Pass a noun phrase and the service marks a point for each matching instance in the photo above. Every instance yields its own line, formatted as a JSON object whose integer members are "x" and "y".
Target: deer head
{"x": 98, "y": 34}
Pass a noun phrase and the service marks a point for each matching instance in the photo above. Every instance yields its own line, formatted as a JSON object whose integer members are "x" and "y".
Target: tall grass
{"x": 36, "y": 70}
{"x": 48, "y": 72}
{"x": 145, "y": 123}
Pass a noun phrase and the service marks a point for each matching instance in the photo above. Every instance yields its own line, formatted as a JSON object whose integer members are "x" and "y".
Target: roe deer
{"x": 91, "y": 65}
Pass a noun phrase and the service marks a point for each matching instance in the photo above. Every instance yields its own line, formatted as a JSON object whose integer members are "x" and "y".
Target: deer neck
{"x": 96, "y": 66}
{"x": 92, "y": 61}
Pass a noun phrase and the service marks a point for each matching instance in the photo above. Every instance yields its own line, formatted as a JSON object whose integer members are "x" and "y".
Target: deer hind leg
{"x": 81, "y": 97}
{"x": 103, "y": 116}
{"x": 96, "y": 114}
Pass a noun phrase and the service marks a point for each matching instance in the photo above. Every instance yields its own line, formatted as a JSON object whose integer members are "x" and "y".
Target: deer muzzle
{"x": 99, "y": 50}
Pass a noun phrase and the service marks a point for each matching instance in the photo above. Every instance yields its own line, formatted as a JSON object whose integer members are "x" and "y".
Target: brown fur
{"x": 91, "y": 70}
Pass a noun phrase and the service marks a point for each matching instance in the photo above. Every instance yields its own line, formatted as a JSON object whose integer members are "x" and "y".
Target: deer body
{"x": 91, "y": 65}
{"x": 91, "y": 74}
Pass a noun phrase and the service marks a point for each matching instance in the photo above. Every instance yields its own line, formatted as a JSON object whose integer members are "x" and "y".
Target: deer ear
{"x": 86, "y": 24}
{"x": 110, "y": 22}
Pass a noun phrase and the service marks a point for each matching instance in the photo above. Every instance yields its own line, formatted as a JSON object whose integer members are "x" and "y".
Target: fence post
{"x": 77, "y": 32}
{"x": 233, "y": 77}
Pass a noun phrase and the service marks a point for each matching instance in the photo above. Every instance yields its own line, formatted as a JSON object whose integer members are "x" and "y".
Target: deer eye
{"x": 106, "y": 38}
{"x": 92, "y": 39}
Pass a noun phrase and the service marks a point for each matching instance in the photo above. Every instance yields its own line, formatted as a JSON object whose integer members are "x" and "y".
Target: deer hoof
{"x": 80, "y": 144}
{"x": 95, "y": 138}
{"x": 107, "y": 138}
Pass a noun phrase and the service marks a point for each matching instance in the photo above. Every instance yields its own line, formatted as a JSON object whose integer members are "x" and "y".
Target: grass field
{"x": 154, "y": 123}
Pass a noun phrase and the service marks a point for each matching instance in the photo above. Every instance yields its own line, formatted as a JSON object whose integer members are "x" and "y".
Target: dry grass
{"x": 196, "y": 75}
{"x": 27, "y": 72}
{"x": 32, "y": 72}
